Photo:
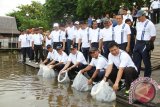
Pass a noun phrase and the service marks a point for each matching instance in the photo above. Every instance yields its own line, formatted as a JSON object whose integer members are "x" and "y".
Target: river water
{"x": 21, "y": 87}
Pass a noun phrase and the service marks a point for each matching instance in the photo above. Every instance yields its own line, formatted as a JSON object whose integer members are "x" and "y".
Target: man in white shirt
{"x": 84, "y": 39}
{"x": 70, "y": 36}
{"x": 31, "y": 51}
{"x": 95, "y": 37}
{"x": 77, "y": 32}
{"x": 37, "y": 45}
{"x": 146, "y": 34}
{"x": 62, "y": 58}
{"x": 24, "y": 44}
{"x": 51, "y": 57}
{"x": 126, "y": 15}
{"x": 107, "y": 34}
{"x": 57, "y": 36}
{"x": 75, "y": 63}
{"x": 155, "y": 7}
{"x": 97, "y": 66}
{"x": 122, "y": 34}
{"x": 124, "y": 67}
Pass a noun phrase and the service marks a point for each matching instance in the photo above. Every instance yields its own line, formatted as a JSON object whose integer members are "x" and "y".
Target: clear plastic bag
{"x": 48, "y": 72}
{"x": 63, "y": 77}
{"x": 103, "y": 92}
{"x": 80, "y": 83}
{"x": 40, "y": 72}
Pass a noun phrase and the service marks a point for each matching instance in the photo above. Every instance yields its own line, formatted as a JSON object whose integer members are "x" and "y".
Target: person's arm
{"x": 73, "y": 66}
{"x": 79, "y": 44}
{"x": 100, "y": 45}
{"x": 64, "y": 44}
{"x": 52, "y": 62}
{"x": 89, "y": 67}
{"x": 119, "y": 76}
{"x": 66, "y": 66}
{"x": 90, "y": 81}
{"x": 128, "y": 42}
{"x": 108, "y": 72}
{"x": 45, "y": 61}
{"x": 33, "y": 44}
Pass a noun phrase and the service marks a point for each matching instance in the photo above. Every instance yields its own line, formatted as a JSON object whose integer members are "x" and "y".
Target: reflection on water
{"x": 20, "y": 87}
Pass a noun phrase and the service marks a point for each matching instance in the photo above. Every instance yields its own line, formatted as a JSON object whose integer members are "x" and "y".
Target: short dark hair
{"x": 128, "y": 20}
{"x": 112, "y": 44}
{"x": 120, "y": 15}
{"x": 49, "y": 46}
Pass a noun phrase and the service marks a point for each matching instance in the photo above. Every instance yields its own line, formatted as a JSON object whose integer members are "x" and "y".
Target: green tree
{"x": 60, "y": 10}
{"x": 29, "y": 16}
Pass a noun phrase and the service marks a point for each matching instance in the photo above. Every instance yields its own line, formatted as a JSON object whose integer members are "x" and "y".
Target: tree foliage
{"x": 29, "y": 16}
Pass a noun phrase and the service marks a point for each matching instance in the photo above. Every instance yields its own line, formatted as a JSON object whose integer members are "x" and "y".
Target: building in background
{"x": 8, "y": 33}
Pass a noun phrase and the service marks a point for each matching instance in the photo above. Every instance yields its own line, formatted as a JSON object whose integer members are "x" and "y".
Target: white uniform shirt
{"x": 37, "y": 38}
{"x": 78, "y": 57}
{"x": 128, "y": 16}
{"x": 117, "y": 31}
{"x": 57, "y": 36}
{"x": 149, "y": 30}
{"x": 48, "y": 41}
{"x": 155, "y": 5}
{"x": 77, "y": 34}
{"x": 107, "y": 34}
{"x": 70, "y": 31}
{"x": 62, "y": 58}
{"x": 95, "y": 35}
{"x": 24, "y": 39}
{"x": 30, "y": 39}
{"x": 52, "y": 55}
{"x": 85, "y": 36}
{"x": 100, "y": 63}
{"x": 121, "y": 60}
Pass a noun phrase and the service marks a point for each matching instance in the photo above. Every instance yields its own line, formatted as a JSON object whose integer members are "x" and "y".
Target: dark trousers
{"x": 45, "y": 53}
{"x": 72, "y": 73}
{"x": 68, "y": 46}
{"x": 141, "y": 52}
{"x": 105, "y": 48}
{"x": 123, "y": 46}
{"x": 85, "y": 52}
{"x": 38, "y": 50}
{"x": 25, "y": 50}
{"x": 55, "y": 44}
{"x": 95, "y": 44}
{"x": 100, "y": 75}
{"x": 31, "y": 53}
{"x": 129, "y": 74}
{"x": 155, "y": 16}
{"x": 58, "y": 68}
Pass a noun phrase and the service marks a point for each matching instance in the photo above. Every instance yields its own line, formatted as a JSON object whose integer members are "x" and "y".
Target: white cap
{"x": 76, "y": 22}
{"x": 98, "y": 21}
{"x": 55, "y": 25}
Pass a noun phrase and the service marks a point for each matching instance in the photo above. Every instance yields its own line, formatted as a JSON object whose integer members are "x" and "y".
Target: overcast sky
{"x": 7, "y": 6}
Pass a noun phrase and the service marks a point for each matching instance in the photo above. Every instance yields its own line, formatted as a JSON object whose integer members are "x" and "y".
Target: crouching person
{"x": 97, "y": 66}
{"x": 125, "y": 68}
{"x": 61, "y": 59}
{"x": 75, "y": 63}
{"x": 51, "y": 57}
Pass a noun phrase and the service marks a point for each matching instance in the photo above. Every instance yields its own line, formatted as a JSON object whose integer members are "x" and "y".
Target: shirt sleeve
{"x": 100, "y": 34}
{"x": 128, "y": 30}
{"x": 79, "y": 57}
{"x": 100, "y": 64}
{"x": 19, "y": 39}
{"x": 110, "y": 61}
{"x": 69, "y": 57}
{"x": 48, "y": 56}
{"x": 92, "y": 62}
{"x": 152, "y": 30}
